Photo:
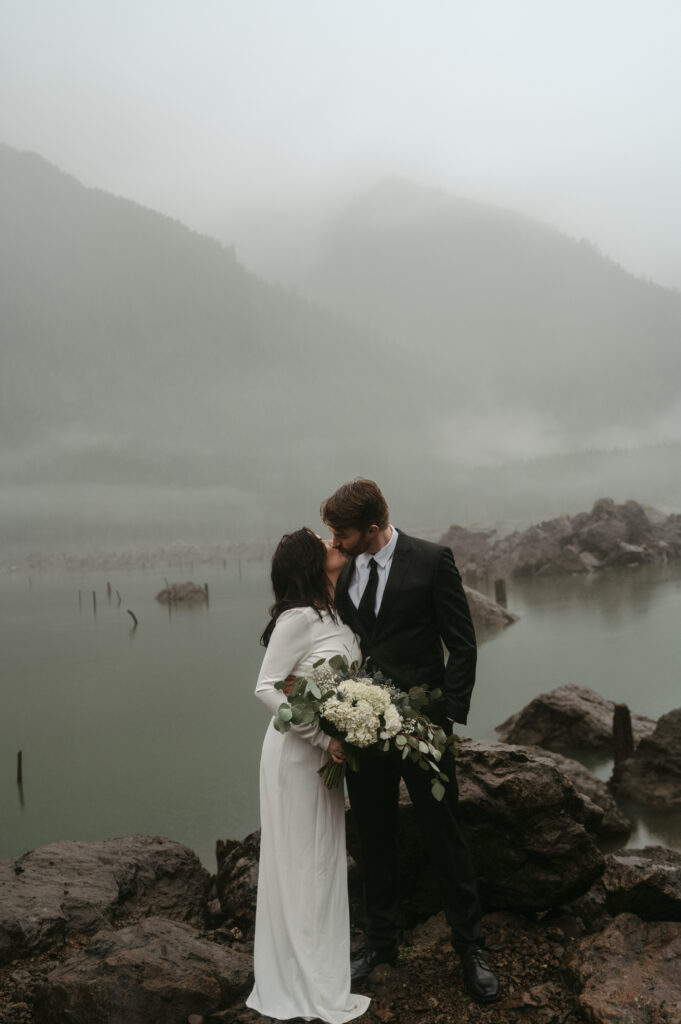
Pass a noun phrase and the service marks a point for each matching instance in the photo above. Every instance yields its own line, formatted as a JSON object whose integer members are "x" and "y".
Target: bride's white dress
{"x": 302, "y": 927}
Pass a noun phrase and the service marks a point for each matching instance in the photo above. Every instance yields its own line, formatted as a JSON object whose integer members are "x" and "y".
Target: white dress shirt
{"x": 360, "y": 577}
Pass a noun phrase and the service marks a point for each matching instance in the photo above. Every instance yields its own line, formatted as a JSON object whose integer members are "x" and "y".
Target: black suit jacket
{"x": 423, "y": 605}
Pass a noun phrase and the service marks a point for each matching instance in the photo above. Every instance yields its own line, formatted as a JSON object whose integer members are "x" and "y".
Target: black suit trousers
{"x": 374, "y": 795}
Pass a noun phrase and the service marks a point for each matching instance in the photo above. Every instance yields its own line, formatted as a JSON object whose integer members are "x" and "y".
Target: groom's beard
{"x": 357, "y": 549}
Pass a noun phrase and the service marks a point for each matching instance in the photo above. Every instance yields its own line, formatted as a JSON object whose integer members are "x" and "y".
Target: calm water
{"x": 157, "y": 731}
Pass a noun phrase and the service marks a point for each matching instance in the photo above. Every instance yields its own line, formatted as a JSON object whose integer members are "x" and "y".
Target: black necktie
{"x": 367, "y": 606}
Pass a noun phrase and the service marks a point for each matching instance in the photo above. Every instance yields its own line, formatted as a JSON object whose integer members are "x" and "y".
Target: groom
{"x": 403, "y": 597}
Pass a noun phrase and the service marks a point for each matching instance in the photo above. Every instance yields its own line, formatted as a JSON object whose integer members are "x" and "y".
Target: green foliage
{"x": 422, "y": 741}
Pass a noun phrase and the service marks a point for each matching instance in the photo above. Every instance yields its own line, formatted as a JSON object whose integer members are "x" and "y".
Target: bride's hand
{"x": 336, "y": 751}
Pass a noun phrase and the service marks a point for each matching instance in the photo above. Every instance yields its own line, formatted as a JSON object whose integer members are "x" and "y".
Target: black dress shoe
{"x": 481, "y": 981}
{"x": 363, "y": 962}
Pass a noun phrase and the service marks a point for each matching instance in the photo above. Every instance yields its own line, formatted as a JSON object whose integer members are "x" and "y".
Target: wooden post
{"x": 500, "y": 592}
{"x": 20, "y": 767}
{"x": 622, "y": 738}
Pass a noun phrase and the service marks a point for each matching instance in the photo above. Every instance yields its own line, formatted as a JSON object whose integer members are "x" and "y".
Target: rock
{"x": 534, "y": 550}
{"x": 182, "y": 593}
{"x": 569, "y": 717}
{"x": 644, "y": 882}
{"x": 602, "y": 537}
{"x": 609, "y": 535}
{"x": 468, "y": 546}
{"x": 155, "y": 971}
{"x": 652, "y": 775}
{"x": 524, "y": 824}
{"x": 71, "y": 887}
{"x": 431, "y": 934}
{"x": 611, "y": 823}
{"x": 630, "y": 973}
{"x": 567, "y": 560}
{"x": 590, "y": 909}
{"x": 486, "y": 613}
{"x": 237, "y": 881}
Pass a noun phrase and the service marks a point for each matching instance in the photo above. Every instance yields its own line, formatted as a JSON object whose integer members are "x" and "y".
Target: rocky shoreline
{"x": 136, "y": 931}
{"x": 608, "y": 536}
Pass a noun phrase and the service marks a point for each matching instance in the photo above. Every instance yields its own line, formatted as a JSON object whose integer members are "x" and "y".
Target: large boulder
{"x": 630, "y": 973}
{"x": 652, "y": 775}
{"x": 155, "y": 971}
{"x": 68, "y": 888}
{"x": 644, "y": 882}
{"x": 568, "y": 718}
{"x": 612, "y": 823}
{"x": 525, "y": 826}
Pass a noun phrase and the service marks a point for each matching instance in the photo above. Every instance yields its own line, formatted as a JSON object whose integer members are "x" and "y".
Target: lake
{"x": 155, "y": 729}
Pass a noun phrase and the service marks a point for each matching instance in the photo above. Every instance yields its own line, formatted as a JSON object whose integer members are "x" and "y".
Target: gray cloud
{"x": 204, "y": 111}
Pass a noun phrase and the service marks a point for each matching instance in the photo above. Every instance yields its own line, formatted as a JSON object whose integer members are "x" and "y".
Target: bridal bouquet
{"x": 366, "y": 713}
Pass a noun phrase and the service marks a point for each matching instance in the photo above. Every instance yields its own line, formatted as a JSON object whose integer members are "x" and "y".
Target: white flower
{"x": 356, "y": 709}
{"x": 393, "y": 723}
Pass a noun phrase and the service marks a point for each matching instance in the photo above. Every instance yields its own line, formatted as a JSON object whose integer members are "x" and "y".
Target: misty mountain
{"x": 136, "y": 352}
{"x": 523, "y": 327}
{"x": 152, "y": 388}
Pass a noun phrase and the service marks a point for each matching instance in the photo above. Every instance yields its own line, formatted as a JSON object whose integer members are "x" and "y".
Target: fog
{"x": 473, "y": 210}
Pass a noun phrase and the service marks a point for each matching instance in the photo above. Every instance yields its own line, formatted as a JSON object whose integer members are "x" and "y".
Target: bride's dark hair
{"x": 299, "y": 577}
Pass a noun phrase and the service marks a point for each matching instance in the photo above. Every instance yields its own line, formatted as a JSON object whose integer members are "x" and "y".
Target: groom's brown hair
{"x": 356, "y": 505}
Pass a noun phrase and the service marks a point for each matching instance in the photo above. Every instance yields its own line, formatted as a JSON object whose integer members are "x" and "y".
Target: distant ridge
{"x": 510, "y": 313}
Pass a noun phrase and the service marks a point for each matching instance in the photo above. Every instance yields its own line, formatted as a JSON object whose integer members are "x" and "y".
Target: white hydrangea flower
{"x": 356, "y": 709}
{"x": 393, "y": 723}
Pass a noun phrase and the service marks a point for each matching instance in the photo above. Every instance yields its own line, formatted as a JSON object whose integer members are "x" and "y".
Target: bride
{"x": 302, "y": 926}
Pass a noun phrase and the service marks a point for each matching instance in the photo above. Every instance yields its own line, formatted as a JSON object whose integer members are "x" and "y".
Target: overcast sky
{"x": 213, "y": 110}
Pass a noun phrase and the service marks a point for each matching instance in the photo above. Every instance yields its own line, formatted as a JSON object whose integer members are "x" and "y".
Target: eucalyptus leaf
{"x": 438, "y": 789}
{"x": 400, "y": 741}
{"x": 285, "y": 713}
{"x": 313, "y": 689}
{"x": 318, "y": 663}
{"x": 339, "y": 663}
{"x": 436, "y": 693}
{"x": 406, "y": 752}
{"x": 281, "y": 726}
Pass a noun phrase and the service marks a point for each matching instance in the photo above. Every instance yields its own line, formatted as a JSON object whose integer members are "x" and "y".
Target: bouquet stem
{"x": 332, "y": 774}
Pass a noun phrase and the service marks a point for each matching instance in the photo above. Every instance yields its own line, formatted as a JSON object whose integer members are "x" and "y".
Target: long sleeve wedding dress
{"x": 302, "y": 928}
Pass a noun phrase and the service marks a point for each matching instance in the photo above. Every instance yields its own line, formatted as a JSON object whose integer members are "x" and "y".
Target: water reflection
{"x": 156, "y": 729}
